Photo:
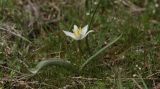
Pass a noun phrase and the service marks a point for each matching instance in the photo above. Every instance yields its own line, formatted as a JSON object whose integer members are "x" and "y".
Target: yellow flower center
{"x": 78, "y": 32}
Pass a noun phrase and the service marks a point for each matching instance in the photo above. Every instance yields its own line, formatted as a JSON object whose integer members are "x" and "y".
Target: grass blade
{"x": 138, "y": 85}
{"x": 12, "y": 31}
{"x": 144, "y": 84}
{"x": 119, "y": 82}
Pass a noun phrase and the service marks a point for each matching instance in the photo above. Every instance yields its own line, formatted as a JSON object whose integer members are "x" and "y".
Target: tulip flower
{"x": 78, "y": 33}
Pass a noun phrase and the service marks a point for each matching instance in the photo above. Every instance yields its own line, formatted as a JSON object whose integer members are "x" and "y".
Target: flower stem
{"x": 79, "y": 47}
{"x": 91, "y": 20}
{"x": 87, "y": 44}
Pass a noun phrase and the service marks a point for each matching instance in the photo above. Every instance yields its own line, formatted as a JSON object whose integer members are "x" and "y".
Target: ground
{"x": 121, "y": 53}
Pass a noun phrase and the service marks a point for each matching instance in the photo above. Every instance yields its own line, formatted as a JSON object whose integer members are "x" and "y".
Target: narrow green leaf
{"x": 119, "y": 82}
{"x": 101, "y": 50}
{"x": 55, "y": 62}
{"x": 144, "y": 84}
{"x": 14, "y": 33}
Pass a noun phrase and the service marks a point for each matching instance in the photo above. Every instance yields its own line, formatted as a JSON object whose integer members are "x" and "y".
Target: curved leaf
{"x": 101, "y": 50}
{"x": 55, "y": 62}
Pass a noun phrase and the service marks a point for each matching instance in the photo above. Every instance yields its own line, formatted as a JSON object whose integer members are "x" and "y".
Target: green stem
{"x": 79, "y": 47}
{"x": 95, "y": 10}
{"x": 92, "y": 17}
{"x": 88, "y": 47}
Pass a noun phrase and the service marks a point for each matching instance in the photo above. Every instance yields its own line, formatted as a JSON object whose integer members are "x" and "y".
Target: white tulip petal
{"x": 78, "y": 38}
{"x": 84, "y": 30}
{"x": 87, "y": 34}
{"x": 70, "y": 34}
{"x": 75, "y": 28}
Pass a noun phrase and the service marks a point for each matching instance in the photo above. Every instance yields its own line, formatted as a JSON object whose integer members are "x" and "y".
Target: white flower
{"x": 78, "y": 33}
{"x": 87, "y": 13}
{"x": 95, "y": 3}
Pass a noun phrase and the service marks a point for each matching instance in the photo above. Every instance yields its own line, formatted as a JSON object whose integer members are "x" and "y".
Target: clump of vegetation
{"x": 122, "y": 50}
